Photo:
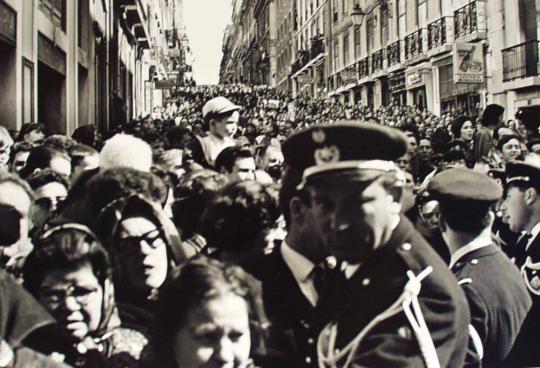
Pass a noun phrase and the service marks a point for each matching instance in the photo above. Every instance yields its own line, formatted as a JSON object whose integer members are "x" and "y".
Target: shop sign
{"x": 468, "y": 63}
{"x": 396, "y": 82}
{"x": 8, "y": 22}
{"x": 174, "y": 53}
{"x": 165, "y": 84}
{"x": 305, "y": 79}
{"x": 349, "y": 76}
{"x": 414, "y": 80}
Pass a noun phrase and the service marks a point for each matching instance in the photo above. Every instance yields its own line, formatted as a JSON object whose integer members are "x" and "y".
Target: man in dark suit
{"x": 292, "y": 286}
{"x": 521, "y": 210}
{"x": 400, "y": 305}
{"x": 498, "y": 299}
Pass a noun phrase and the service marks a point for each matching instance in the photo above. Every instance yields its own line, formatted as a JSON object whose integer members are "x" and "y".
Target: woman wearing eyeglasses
{"x": 70, "y": 275}
{"x": 144, "y": 245}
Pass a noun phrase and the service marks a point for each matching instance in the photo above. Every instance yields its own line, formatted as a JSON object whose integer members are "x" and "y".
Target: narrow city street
{"x": 269, "y": 183}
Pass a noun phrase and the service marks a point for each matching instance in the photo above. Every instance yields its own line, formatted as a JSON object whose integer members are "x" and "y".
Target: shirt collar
{"x": 299, "y": 265}
{"x": 475, "y": 244}
{"x": 534, "y": 233}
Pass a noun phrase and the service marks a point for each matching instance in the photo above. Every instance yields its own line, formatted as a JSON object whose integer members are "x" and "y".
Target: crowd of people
{"x": 239, "y": 227}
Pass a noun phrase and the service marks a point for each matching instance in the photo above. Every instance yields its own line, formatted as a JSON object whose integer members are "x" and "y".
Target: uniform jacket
{"x": 526, "y": 352}
{"x": 498, "y": 300}
{"x": 294, "y": 328}
{"x": 364, "y": 340}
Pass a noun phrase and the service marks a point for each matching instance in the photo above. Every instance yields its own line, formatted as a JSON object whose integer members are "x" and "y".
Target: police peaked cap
{"x": 521, "y": 172}
{"x": 461, "y": 184}
{"x": 346, "y": 145}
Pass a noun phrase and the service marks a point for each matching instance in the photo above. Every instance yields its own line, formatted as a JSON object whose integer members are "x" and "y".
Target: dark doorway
{"x": 51, "y": 101}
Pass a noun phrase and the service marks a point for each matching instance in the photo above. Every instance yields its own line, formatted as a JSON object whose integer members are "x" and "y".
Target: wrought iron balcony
{"x": 466, "y": 20}
{"x": 413, "y": 44}
{"x": 521, "y": 61}
{"x": 437, "y": 33}
{"x": 363, "y": 67}
{"x": 377, "y": 61}
{"x": 393, "y": 53}
{"x": 305, "y": 56}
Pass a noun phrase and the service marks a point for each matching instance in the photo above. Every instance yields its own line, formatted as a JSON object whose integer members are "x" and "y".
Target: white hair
{"x": 124, "y": 150}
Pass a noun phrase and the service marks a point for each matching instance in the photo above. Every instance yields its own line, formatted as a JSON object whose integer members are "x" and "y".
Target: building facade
{"x": 308, "y": 69}
{"x": 441, "y": 55}
{"x": 67, "y": 63}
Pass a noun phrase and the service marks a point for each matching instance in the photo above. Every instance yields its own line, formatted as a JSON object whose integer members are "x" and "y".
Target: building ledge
{"x": 471, "y": 37}
{"x": 521, "y": 83}
{"x": 435, "y": 51}
{"x": 311, "y": 63}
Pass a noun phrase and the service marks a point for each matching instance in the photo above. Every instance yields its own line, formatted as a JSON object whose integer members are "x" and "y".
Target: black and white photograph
{"x": 269, "y": 183}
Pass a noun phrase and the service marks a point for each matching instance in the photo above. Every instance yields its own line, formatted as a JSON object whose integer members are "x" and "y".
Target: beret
{"x": 461, "y": 184}
{"x": 346, "y": 145}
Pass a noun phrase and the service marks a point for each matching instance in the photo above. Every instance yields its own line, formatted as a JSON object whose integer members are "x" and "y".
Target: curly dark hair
{"x": 116, "y": 183}
{"x": 239, "y": 215}
{"x": 193, "y": 194}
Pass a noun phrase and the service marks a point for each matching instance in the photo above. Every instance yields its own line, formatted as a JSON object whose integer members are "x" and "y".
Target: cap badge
{"x": 318, "y": 136}
{"x": 327, "y": 155}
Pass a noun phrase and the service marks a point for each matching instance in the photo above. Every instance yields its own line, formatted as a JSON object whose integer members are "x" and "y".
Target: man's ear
{"x": 531, "y": 195}
{"x": 296, "y": 209}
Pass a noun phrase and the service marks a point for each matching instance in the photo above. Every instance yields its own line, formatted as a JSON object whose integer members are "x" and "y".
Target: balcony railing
{"x": 393, "y": 53}
{"x": 437, "y": 33}
{"x": 363, "y": 67}
{"x": 305, "y": 56}
{"x": 466, "y": 20}
{"x": 413, "y": 44}
{"x": 521, "y": 61}
{"x": 377, "y": 61}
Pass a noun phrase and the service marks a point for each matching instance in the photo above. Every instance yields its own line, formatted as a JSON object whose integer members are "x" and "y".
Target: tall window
{"x": 336, "y": 55}
{"x": 384, "y": 28}
{"x": 370, "y": 28}
{"x": 421, "y": 15}
{"x": 346, "y": 49}
{"x": 402, "y": 21}
{"x": 335, "y": 12}
{"x": 357, "y": 42}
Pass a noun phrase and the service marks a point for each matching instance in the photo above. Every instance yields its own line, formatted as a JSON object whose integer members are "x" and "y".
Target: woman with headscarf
{"x": 145, "y": 246}
{"x": 69, "y": 273}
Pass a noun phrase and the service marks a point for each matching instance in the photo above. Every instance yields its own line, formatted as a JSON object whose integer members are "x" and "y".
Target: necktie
{"x": 320, "y": 279}
{"x": 519, "y": 251}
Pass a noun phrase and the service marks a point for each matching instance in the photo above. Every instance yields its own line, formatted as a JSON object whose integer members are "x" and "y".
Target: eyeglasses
{"x": 50, "y": 202}
{"x": 81, "y": 294}
{"x": 131, "y": 244}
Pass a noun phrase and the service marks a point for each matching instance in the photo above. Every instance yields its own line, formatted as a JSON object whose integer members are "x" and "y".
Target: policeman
{"x": 521, "y": 209}
{"x": 498, "y": 299}
{"x": 396, "y": 285}
{"x": 291, "y": 290}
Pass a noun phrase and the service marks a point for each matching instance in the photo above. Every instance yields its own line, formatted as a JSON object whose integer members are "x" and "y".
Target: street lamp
{"x": 357, "y": 15}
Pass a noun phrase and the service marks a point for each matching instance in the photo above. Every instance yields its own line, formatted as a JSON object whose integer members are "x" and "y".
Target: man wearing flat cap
{"x": 521, "y": 210}
{"x": 401, "y": 305}
{"x": 498, "y": 299}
